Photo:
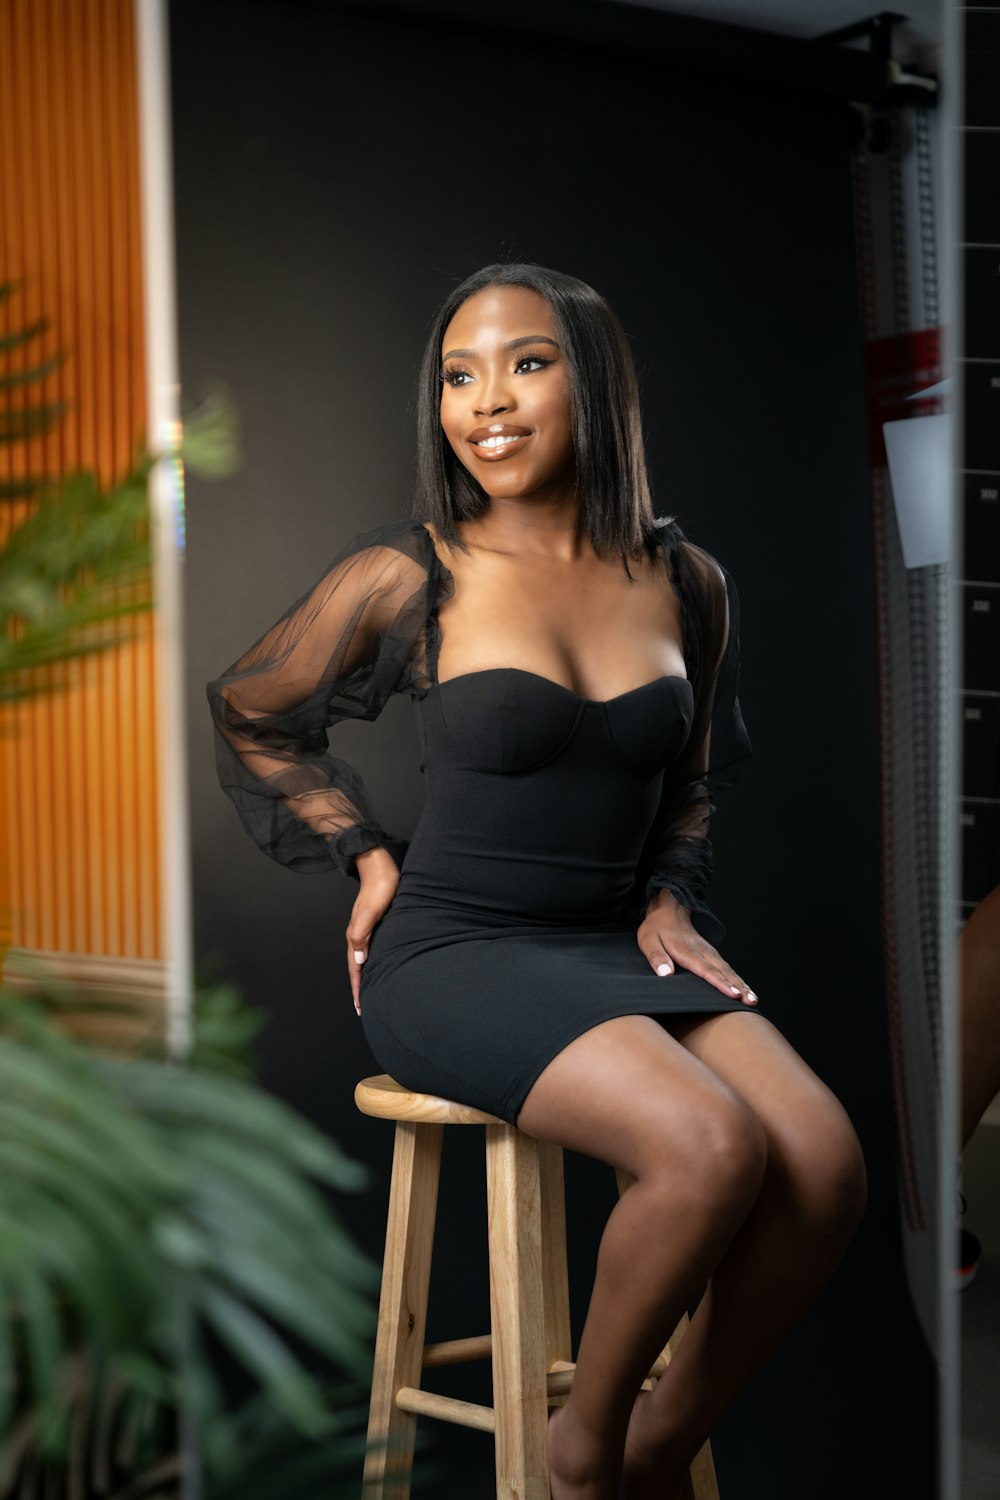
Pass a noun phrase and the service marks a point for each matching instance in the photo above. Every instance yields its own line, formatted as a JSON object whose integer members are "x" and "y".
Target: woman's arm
{"x": 683, "y": 862}
{"x": 337, "y": 653}
{"x": 676, "y": 867}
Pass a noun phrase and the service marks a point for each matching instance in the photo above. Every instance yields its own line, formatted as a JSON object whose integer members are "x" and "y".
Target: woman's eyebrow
{"x": 528, "y": 338}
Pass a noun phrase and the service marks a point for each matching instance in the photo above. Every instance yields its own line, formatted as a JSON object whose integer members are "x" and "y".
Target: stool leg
{"x": 402, "y": 1310}
{"x": 700, "y": 1482}
{"x": 517, "y": 1313}
{"x": 555, "y": 1277}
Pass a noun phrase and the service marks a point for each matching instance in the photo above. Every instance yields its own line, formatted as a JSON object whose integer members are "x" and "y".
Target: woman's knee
{"x": 831, "y": 1175}
{"x": 717, "y": 1157}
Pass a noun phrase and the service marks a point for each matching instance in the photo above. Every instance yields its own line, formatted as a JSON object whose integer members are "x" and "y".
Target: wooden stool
{"x": 529, "y": 1344}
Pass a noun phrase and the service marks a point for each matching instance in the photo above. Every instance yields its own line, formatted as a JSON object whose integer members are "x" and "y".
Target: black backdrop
{"x": 336, "y": 171}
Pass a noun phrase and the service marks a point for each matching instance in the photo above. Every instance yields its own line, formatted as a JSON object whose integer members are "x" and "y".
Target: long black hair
{"x": 613, "y": 489}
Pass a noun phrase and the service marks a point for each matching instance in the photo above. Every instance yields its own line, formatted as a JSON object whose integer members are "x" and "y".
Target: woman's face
{"x": 504, "y": 377}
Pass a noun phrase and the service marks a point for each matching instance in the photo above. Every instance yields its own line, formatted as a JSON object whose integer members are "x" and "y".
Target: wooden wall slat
{"x": 79, "y": 778}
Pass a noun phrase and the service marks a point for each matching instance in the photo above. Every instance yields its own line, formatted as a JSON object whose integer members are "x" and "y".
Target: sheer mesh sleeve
{"x": 677, "y": 855}
{"x": 339, "y": 652}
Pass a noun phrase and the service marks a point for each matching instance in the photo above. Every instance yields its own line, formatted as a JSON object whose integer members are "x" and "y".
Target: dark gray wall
{"x": 327, "y": 165}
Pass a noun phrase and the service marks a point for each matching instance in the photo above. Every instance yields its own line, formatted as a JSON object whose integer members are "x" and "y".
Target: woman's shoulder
{"x": 402, "y": 540}
{"x": 396, "y": 561}
{"x": 695, "y": 566}
{"x": 403, "y": 532}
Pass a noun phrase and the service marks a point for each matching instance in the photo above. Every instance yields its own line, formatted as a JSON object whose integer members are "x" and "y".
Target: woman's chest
{"x": 590, "y": 630}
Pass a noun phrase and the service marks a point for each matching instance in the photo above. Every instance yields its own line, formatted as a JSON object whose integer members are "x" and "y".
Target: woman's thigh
{"x": 628, "y": 1093}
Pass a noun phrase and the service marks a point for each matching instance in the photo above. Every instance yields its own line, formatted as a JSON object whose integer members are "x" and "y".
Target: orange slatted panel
{"x": 79, "y": 780}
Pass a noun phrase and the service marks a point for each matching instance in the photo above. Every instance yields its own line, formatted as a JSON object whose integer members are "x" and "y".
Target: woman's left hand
{"x": 668, "y": 939}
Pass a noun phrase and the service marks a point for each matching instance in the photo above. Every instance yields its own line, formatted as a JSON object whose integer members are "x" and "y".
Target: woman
{"x": 541, "y": 947}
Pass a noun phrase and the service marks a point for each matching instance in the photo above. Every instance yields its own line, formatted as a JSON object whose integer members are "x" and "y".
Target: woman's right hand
{"x": 379, "y": 874}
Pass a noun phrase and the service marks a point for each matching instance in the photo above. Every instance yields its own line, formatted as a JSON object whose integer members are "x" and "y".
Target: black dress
{"x": 550, "y": 819}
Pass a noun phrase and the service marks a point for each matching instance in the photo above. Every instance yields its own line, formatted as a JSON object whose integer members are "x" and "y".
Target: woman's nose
{"x": 492, "y": 395}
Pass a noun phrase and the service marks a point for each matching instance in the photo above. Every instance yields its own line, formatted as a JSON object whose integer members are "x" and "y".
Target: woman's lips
{"x": 493, "y": 450}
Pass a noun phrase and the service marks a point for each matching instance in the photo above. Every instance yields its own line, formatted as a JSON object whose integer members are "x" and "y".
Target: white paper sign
{"x": 918, "y": 450}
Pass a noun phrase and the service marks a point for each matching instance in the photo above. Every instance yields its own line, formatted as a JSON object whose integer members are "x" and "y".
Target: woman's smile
{"x": 498, "y": 441}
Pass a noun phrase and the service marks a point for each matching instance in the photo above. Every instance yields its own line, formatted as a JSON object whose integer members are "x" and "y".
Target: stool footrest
{"x": 480, "y": 1346}
{"x": 560, "y": 1382}
{"x": 457, "y": 1351}
{"x": 446, "y": 1408}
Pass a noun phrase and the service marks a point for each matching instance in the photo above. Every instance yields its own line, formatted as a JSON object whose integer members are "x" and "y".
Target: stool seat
{"x": 386, "y": 1099}
{"x": 529, "y": 1343}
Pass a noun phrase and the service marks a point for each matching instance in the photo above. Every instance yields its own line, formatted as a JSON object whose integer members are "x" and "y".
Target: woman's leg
{"x": 979, "y": 960}
{"x": 811, "y": 1200}
{"x": 629, "y": 1093}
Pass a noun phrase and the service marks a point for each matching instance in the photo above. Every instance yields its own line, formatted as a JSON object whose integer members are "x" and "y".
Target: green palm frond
{"x": 75, "y": 570}
{"x": 28, "y": 421}
{"x": 80, "y": 565}
{"x": 148, "y": 1208}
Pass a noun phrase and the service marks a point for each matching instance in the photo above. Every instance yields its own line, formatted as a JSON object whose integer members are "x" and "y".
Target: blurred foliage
{"x": 80, "y": 563}
{"x": 150, "y": 1211}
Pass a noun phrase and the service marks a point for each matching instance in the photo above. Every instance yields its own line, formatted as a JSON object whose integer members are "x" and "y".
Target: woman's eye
{"x": 451, "y": 376}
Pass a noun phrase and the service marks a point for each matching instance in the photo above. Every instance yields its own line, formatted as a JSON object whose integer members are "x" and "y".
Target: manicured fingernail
{"x": 359, "y": 958}
{"x": 663, "y": 968}
{"x": 735, "y": 988}
{"x": 751, "y": 996}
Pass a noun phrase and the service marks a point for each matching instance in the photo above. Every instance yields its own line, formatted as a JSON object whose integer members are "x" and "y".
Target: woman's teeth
{"x": 498, "y": 442}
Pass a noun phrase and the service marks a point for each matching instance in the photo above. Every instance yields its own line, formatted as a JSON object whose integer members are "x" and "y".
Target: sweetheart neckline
{"x": 589, "y": 702}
